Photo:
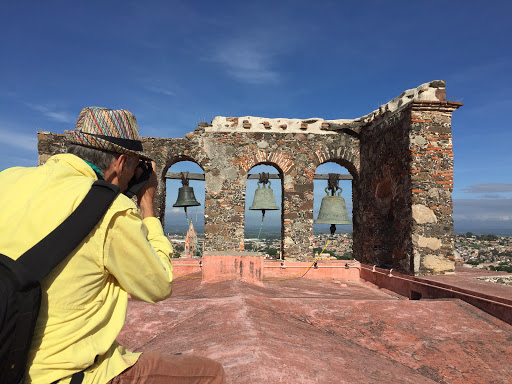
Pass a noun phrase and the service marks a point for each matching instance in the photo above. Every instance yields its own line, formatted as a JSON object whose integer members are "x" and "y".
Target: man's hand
{"x": 146, "y": 195}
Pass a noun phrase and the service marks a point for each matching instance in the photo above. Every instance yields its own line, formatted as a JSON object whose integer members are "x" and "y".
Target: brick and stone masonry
{"x": 400, "y": 157}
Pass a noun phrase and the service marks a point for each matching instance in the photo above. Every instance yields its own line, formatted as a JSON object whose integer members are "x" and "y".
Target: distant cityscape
{"x": 486, "y": 251}
{"x": 339, "y": 246}
{"x": 489, "y": 251}
{"x": 270, "y": 228}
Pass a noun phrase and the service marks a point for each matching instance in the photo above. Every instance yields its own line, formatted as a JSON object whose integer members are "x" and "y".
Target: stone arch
{"x": 163, "y": 165}
{"x": 173, "y": 161}
{"x": 344, "y": 158}
{"x": 281, "y": 160}
{"x": 345, "y": 154}
{"x": 180, "y": 158}
{"x": 168, "y": 151}
{"x": 279, "y": 203}
{"x": 352, "y": 197}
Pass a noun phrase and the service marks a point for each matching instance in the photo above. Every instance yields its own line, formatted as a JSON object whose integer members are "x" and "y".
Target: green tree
{"x": 179, "y": 248}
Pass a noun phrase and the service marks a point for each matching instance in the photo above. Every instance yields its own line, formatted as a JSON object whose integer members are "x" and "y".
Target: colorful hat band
{"x": 107, "y": 129}
{"x": 134, "y": 145}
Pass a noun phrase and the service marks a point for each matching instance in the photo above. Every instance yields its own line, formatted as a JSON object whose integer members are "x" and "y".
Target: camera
{"x": 136, "y": 183}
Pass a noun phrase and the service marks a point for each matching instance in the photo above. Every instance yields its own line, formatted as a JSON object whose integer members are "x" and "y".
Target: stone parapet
{"x": 431, "y": 92}
{"x": 339, "y": 270}
{"x": 243, "y": 266}
{"x": 279, "y": 125}
{"x": 443, "y": 287}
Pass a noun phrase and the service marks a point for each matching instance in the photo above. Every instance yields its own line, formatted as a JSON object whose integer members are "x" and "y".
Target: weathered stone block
{"x": 423, "y": 214}
{"x": 426, "y": 242}
{"x": 437, "y": 263}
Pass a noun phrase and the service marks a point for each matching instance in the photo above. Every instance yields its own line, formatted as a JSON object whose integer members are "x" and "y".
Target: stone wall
{"x": 384, "y": 193}
{"x": 400, "y": 157}
{"x": 431, "y": 173}
{"x": 406, "y": 180}
{"x": 226, "y": 159}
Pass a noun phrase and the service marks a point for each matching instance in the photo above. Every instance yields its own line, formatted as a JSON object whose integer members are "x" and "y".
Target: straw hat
{"x": 107, "y": 129}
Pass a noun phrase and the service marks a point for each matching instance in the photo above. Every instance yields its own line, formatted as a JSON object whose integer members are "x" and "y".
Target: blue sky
{"x": 176, "y": 63}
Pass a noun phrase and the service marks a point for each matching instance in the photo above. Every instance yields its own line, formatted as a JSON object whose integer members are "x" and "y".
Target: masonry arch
{"x": 341, "y": 244}
{"x": 177, "y": 222}
{"x": 264, "y": 234}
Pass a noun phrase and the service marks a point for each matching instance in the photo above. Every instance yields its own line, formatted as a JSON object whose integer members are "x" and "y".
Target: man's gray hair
{"x": 100, "y": 158}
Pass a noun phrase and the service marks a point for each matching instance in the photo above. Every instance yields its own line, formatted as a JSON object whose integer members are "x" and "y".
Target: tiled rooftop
{"x": 324, "y": 331}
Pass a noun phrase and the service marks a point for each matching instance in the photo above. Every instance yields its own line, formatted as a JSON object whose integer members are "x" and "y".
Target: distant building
{"x": 190, "y": 241}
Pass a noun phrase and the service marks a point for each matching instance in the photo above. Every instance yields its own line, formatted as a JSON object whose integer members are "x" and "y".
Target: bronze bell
{"x": 332, "y": 210}
{"x": 264, "y": 199}
{"x": 186, "y": 198}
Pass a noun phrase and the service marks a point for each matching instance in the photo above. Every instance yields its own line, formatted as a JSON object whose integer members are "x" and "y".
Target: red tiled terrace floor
{"x": 318, "y": 331}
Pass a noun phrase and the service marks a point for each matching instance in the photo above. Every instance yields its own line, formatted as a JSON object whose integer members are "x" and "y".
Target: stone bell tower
{"x": 400, "y": 160}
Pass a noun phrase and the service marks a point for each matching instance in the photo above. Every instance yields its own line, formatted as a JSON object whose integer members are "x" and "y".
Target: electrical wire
{"x": 305, "y": 270}
{"x": 188, "y": 276}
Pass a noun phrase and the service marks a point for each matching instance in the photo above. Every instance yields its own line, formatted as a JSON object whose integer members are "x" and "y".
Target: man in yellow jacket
{"x": 85, "y": 297}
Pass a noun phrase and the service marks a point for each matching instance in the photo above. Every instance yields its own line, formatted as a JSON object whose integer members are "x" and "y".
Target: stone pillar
{"x": 160, "y": 196}
{"x": 431, "y": 172}
{"x": 406, "y": 180}
{"x": 297, "y": 229}
{"x": 156, "y": 149}
{"x": 224, "y": 196}
{"x": 382, "y": 233}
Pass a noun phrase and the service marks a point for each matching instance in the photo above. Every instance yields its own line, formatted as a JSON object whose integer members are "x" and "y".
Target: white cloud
{"x": 161, "y": 91}
{"x": 489, "y": 188}
{"x": 483, "y": 210}
{"x": 248, "y": 59}
{"x": 24, "y": 141}
{"x": 492, "y": 196}
{"x": 61, "y": 117}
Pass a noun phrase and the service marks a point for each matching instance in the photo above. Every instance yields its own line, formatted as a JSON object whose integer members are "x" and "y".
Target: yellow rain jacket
{"x": 85, "y": 297}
